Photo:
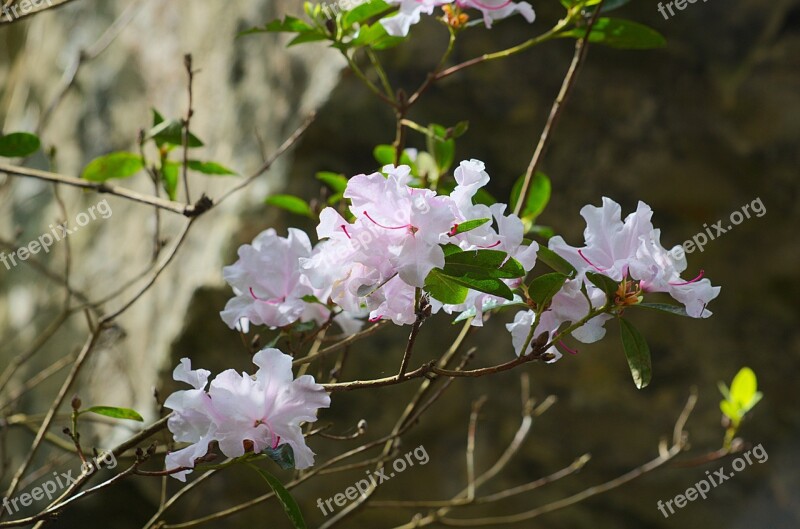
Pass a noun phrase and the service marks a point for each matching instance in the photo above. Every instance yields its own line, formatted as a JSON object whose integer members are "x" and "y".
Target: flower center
{"x": 629, "y": 293}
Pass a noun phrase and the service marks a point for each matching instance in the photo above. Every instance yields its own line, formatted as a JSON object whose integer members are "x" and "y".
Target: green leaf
{"x": 665, "y": 307}
{"x": 283, "y": 456}
{"x": 114, "y": 165}
{"x": 450, "y": 248}
{"x": 483, "y": 264}
{"x": 210, "y": 168}
{"x": 336, "y": 181}
{"x": 384, "y": 155}
{"x": 309, "y": 36}
{"x": 543, "y": 288}
{"x": 290, "y": 203}
{"x": 619, "y": 33}
{"x": 19, "y": 144}
{"x": 286, "y": 500}
{"x": 604, "y": 283}
{"x": 544, "y": 232}
{"x": 538, "y": 196}
{"x": 556, "y": 262}
{"x": 364, "y": 12}
{"x": 171, "y": 133}
{"x": 375, "y": 37}
{"x": 723, "y": 388}
{"x": 469, "y": 225}
{"x": 445, "y": 288}
{"x": 443, "y": 150}
{"x": 289, "y": 24}
{"x": 492, "y": 286}
{"x": 170, "y": 174}
{"x": 114, "y": 412}
{"x": 459, "y": 129}
{"x": 637, "y": 352}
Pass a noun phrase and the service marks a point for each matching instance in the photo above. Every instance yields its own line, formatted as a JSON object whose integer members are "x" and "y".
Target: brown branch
{"x": 581, "y": 48}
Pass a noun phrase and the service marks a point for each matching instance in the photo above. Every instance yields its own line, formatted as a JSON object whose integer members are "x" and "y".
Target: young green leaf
{"x": 290, "y": 203}
{"x": 744, "y": 389}
{"x": 555, "y": 261}
{"x": 286, "y": 500}
{"x": 619, "y": 33}
{"x": 543, "y": 288}
{"x": 114, "y": 412}
{"x": 114, "y": 165}
{"x": 637, "y": 352}
{"x": 210, "y": 168}
{"x": 18, "y": 144}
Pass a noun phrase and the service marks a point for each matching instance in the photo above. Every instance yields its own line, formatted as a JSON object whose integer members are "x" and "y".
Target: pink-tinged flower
{"x": 267, "y": 280}
{"x": 270, "y": 285}
{"x": 411, "y": 223}
{"x": 499, "y": 9}
{"x": 409, "y": 12}
{"x": 633, "y": 249}
{"x": 242, "y": 412}
{"x": 398, "y": 25}
{"x": 190, "y": 421}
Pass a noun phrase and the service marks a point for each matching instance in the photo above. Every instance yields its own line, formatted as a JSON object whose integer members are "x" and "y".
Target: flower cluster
{"x": 376, "y": 261}
{"x": 373, "y": 264}
{"x": 409, "y": 12}
{"x": 631, "y": 254}
{"x": 243, "y": 413}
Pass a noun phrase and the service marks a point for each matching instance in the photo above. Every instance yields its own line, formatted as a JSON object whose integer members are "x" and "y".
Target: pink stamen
{"x": 580, "y": 252}
{"x": 484, "y": 6}
{"x": 344, "y": 229}
{"x": 453, "y": 230}
{"x": 695, "y": 280}
{"x": 375, "y": 319}
{"x": 492, "y": 246}
{"x": 567, "y": 349}
{"x": 277, "y": 442}
{"x": 270, "y": 301}
{"x": 387, "y": 227}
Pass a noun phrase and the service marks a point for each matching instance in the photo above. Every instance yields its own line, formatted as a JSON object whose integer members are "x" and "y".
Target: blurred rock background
{"x": 696, "y": 130}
